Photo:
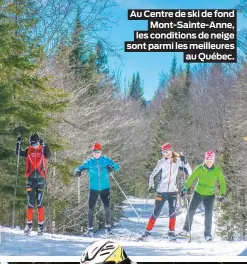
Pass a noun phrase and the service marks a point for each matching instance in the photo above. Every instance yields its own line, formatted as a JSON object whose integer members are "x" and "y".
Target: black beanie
{"x": 34, "y": 138}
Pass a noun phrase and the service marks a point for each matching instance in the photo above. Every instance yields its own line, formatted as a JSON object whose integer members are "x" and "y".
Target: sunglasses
{"x": 165, "y": 152}
{"x": 97, "y": 151}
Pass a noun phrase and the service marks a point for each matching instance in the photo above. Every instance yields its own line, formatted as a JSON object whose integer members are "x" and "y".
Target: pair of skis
{"x": 28, "y": 230}
{"x": 96, "y": 235}
{"x": 38, "y": 233}
{"x": 178, "y": 239}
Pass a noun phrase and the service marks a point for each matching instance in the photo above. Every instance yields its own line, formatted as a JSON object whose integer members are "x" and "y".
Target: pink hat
{"x": 209, "y": 156}
{"x": 166, "y": 147}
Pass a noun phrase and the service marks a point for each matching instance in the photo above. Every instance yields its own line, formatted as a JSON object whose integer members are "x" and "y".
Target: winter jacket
{"x": 97, "y": 172}
{"x": 36, "y": 173}
{"x": 206, "y": 180}
{"x": 24, "y": 153}
{"x": 168, "y": 174}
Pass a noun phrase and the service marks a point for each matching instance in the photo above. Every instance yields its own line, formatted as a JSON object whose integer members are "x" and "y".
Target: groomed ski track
{"x": 15, "y": 243}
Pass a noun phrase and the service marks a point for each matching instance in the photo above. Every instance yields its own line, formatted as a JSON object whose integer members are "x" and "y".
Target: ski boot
{"x": 28, "y": 229}
{"x": 184, "y": 233}
{"x": 108, "y": 231}
{"x": 40, "y": 229}
{"x": 89, "y": 233}
{"x": 208, "y": 238}
{"x": 144, "y": 236}
{"x": 171, "y": 235}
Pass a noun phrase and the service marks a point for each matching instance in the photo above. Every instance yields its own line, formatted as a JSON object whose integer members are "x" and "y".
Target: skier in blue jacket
{"x": 98, "y": 168}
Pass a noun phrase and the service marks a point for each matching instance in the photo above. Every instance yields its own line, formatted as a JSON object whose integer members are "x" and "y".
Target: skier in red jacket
{"x": 36, "y": 171}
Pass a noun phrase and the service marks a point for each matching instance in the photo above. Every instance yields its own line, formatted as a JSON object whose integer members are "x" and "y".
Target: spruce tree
{"x": 136, "y": 89}
{"x": 91, "y": 73}
{"x": 88, "y": 65}
{"x": 187, "y": 76}
{"x": 79, "y": 53}
{"x": 132, "y": 85}
{"x": 232, "y": 221}
{"x": 27, "y": 102}
{"x": 173, "y": 70}
{"x": 180, "y": 70}
{"x": 163, "y": 80}
{"x": 101, "y": 59}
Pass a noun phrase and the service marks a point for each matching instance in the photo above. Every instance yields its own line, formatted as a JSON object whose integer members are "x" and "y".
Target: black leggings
{"x": 92, "y": 200}
{"x": 161, "y": 198}
{"x": 208, "y": 202}
{"x": 35, "y": 191}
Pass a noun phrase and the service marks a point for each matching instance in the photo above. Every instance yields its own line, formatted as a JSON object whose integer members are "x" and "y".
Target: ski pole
{"x": 16, "y": 179}
{"x": 187, "y": 204}
{"x": 125, "y": 196}
{"x": 186, "y": 199}
{"x": 48, "y": 202}
{"x": 216, "y": 222}
{"x": 188, "y": 216}
{"x": 46, "y": 188}
{"x": 78, "y": 189}
{"x": 148, "y": 197}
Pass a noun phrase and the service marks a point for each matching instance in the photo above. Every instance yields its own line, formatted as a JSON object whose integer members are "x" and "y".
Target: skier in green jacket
{"x": 207, "y": 174}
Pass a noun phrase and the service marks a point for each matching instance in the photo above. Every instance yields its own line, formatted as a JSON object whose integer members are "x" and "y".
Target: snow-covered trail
{"x": 15, "y": 243}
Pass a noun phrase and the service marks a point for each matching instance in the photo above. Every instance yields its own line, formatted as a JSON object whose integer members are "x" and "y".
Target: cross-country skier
{"x": 207, "y": 175}
{"x": 167, "y": 189}
{"x": 98, "y": 168}
{"x": 36, "y": 171}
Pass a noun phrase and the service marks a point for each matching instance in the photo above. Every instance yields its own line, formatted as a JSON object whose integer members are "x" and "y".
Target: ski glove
{"x": 221, "y": 198}
{"x": 41, "y": 142}
{"x": 183, "y": 193}
{"x": 182, "y": 158}
{"x": 19, "y": 139}
{"x": 151, "y": 189}
{"x": 109, "y": 168}
{"x": 77, "y": 173}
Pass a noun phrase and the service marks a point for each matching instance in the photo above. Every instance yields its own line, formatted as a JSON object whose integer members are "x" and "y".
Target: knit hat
{"x": 96, "y": 147}
{"x": 34, "y": 138}
{"x": 210, "y": 156}
{"x": 166, "y": 147}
